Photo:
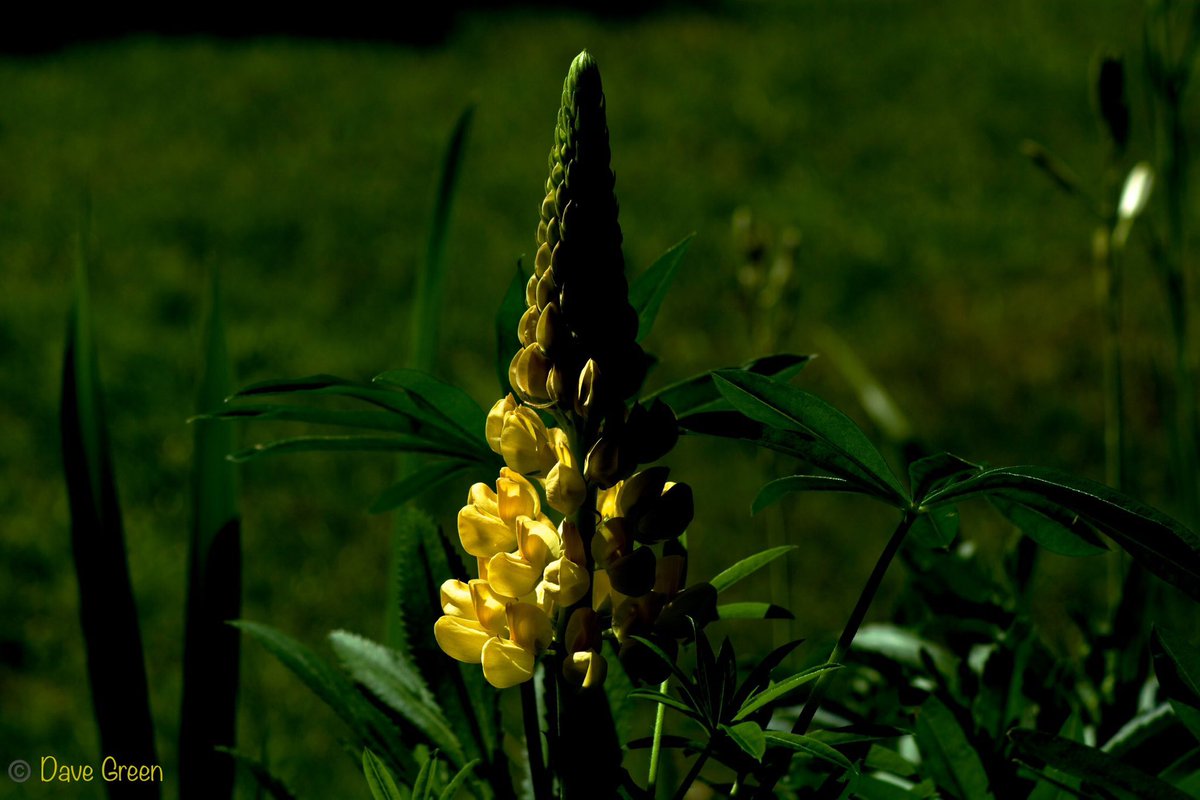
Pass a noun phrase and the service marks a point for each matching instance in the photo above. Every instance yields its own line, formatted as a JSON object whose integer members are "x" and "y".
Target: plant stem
{"x": 693, "y": 773}
{"x": 855, "y": 622}
{"x": 656, "y": 744}
{"x": 538, "y": 775}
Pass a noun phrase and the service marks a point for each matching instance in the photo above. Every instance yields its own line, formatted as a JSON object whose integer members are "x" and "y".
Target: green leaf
{"x": 753, "y": 611}
{"x": 948, "y": 754}
{"x": 266, "y": 780}
{"x": 393, "y": 678}
{"x": 1054, "y": 528}
{"x": 108, "y": 612}
{"x": 801, "y": 743}
{"x": 427, "y": 299}
{"x": 937, "y": 471}
{"x": 888, "y": 760}
{"x": 788, "y": 408}
{"x": 773, "y": 491}
{"x": 648, "y": 290}
{"x": 442, "y": 398}
{"x": 1160, "y": 543}
{"x": 903, "y": 646}
{"x": 371, "y": 728}
{"x": 936, "y": 528}
{"x": 421, "y": 786}
{"x": 778, "y": 690}
{"x": 749, "y": 565}
{"x": 1177, "y": 667}
{"x": 390, "y": 421}
{"x": 655, "y": 696}
{"x": 508, "y": 319}
{"x": 331, "y": 385}
{"x": 379, "y": 778}
{"x": 699, "y": 393}
{"x": 1092, "y": 765}
{"x": 428, "y": 479}
{"x": 456, "y": 783}
{"x": 363, "y": 444}
{"x": 214, "y": 591}
{"x": 748, "y": 736}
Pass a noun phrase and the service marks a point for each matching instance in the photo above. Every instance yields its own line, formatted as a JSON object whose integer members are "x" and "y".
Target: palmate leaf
{"x": 655, "y": 696}
{"x": 776, "y": 691}
{"x": 391, "y": 677}
{"x": 699, "y": 394}
{"x": 779, "y": 405}
{"x": 775, "y": 490}
{"x": 1054, "y": 528}
{"x": 936, "y": 472}
{"x": 108, "y": 613}
{"x": 1160, "y": 543}
{"x": 1092, "y": 765}
{"x": 810, "y": 746}
{"x": 359, "y": 444}
{"x": 752, "y": 610}
{"x": 749, "y": 565}
{"x": 426, "y": 480}
{"x": 648, "y": 290}
{"x": 456, "y": 783}
{"x": 948, "y": 755}
{"x": 371, "y": 420}
{"x": 371, "y": 728}
{"x": 208, "y": 719}
{"x": 444, "y": 399}
{"x": 748, "y": 736}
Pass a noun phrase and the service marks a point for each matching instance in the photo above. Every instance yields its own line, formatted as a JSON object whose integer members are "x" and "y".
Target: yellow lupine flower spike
{"x": 525, "y": 443}
{"x": 461, "y": 639}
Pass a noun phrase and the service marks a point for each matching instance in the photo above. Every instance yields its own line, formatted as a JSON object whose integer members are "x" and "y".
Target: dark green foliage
{"x": 208, "y": 718}
{"x": 116, "y": 666}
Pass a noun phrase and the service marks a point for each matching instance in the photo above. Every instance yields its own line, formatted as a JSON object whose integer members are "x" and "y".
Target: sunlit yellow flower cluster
{"x": 527, "y": 566}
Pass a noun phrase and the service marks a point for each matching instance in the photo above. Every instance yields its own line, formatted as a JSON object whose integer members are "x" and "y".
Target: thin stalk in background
{"x": 208, "y": 719}
{"x": 656, "y": 744}
{"x": 538, "y": 774}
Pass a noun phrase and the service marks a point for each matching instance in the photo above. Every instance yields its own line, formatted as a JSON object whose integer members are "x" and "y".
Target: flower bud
{"x": 565, "y": 488}
{"x": 527, "y": 328}
{"x": 527, "y": 373}
{"x": 612, "y": 539}
{"x": 495, "y": 420}
{"x": 667, "y": 518}
{"x": 633, "y": 574}
{"x": 586, "y": 400}
{"x": 541, "y": 262}
{"x": 650, "y": 433}
{"x": 698, "y": 602}
{"x": 586, "y": 669}
{"x": 603, "y": 464}
{"x": 549, "y": 329}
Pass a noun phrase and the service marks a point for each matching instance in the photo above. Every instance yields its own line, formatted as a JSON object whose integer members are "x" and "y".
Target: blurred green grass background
{"x": 888, "y": 133}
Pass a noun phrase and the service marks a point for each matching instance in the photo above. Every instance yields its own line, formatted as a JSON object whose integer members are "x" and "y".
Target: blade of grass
{"x": 108, "y": 613}
{"x": 208, "y": 719}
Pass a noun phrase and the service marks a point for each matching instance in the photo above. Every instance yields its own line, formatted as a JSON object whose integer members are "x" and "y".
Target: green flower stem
{"x": 656, "y": 744}
{"x": 855, "y": 622}
{"x": 538, "y": 774}
{"x": 693, "y": 773}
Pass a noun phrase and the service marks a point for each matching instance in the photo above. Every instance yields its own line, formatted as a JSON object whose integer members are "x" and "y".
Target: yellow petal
{"x": 506, "y": 664}
{"x": 495, "y": 420}
{"x": 456, "y": 600}
{"x": 529, "y": 627}
{"x": 528, "y": 372}
{"x": 587, "y": 669}
{"x": 562, "y": 447}
{"x": 512, "y": 575}
{"x": 565, "y": 582}
{"x": 483, "y": 498}
{"x": 525, "y": 443}
{"x": 482, "y": 534}
{"x": 490, "y": 606}
{"x": 611, "y": 540}
{"x": 516, "y": 496}
{"x": 459, "y": 638}
{"x": 565, "y": 489}
{"x": 538, "y": 541}
{"x": 608, "y": 501}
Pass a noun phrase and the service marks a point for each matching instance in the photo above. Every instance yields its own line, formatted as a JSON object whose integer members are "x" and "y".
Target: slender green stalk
{"x": 656, "y": 744}
{"x": 1109, "y": 275}
{"x": 693, "y": 773}
{"x": 538, "y": 773}
{"x": 855, "y": 622}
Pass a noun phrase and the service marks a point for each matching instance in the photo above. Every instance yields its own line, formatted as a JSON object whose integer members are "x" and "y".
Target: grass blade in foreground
{"x": 116, "y": 666}
{"x": 211, "y": 647}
